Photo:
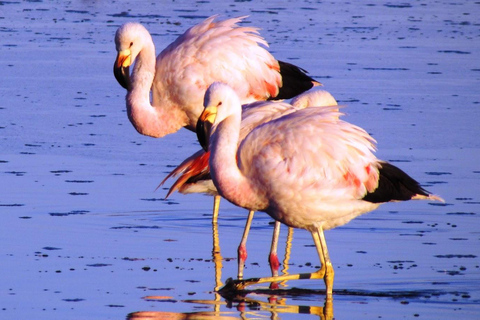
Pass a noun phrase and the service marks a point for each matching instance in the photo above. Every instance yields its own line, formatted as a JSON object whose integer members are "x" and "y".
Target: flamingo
{"x": 178, "y": 77}
{"x": 308, "y": 169}
{"x": 195, "y": 173}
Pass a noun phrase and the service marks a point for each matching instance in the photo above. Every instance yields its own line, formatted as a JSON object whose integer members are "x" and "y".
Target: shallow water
{"x": 84, "y": 234}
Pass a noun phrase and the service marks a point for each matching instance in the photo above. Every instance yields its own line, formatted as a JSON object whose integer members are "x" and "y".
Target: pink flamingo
{"x": 194, "y": 171}
{"x": 307, "y": 169}
{"x": 178, "y": 77}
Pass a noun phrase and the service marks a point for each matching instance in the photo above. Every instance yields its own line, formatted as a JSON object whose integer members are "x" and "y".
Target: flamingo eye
{"x": 131, "y": 44}
{"x": 219, "y": 104}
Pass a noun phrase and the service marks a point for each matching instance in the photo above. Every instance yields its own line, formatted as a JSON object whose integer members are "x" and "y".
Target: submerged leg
{"x": 217, "y": 256}
{"x": 242, "y": 248}
{"x": 288, "y": 251}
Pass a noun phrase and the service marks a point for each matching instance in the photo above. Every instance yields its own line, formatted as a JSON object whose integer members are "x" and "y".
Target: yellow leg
{"x": 242, "y": 248}
{"x": 216, "y": 207}
{"x": 321, "y": 245}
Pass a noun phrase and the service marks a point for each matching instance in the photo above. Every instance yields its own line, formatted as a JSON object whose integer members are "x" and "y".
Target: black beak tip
{"x": 201, "y": 135}
{"x": 122, "y": 74}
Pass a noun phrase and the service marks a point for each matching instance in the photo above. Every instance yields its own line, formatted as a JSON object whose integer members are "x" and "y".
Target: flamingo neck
{"x": 229, "y": 180}
{"x": 154, "y": 121}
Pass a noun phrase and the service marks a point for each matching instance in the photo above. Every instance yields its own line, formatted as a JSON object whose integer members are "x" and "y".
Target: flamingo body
{"x": 178, "y": 77}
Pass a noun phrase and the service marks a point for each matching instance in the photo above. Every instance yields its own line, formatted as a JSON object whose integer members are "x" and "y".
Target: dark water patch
{"x": 385, "y": 69}
{"x": 265, "y": 11}
{"x": 77, "y": 11}
{"x": 360, "y": 29}
{"x": 51, "y": 248}
{"x": 440, "y": 204}
{"x": 457, "y": 256}
{"x": 58, "y": 172}
{"x": 455, "y": 23}
{"x": 132, "y": 259}
{"x": 73, "y": 300}
{"x": 398, "y": 5}
{"x": 24, "y": 152}
{"x": 64, "y": 214}
{"x": 166, "y": 201}
{"x": 472, "y": 202}
{"x": 413, "y": 222}
{"x": 461, "y": 213}
{"x": 458, "y": 239}
{"x": 352, "y": 100}
{"x": 2, "y": 3}
{"x": 135, "y": 227}
{"x": 60, "y": 39}
{"x": 17, "y": 173}
{"x": 3, "y": 161}
{"x": 79, "y": 181}
{"x": 436, "y": 173}
{"x": 155, "y": 289}
{"x": 451, "y": 272}
{"x": 25, "y": 217}
{"x": 125, "y": 14}
{"x": 98, "y": 265}
{"x": 11, "y": 204}
{"x": 115, "y": 306}
{"x": 397, "y": 160}
{"x": 78, "y": 193}
{"x": 436, "y": 182}
{"x": 160, "y": 299}
{"x": 454, "y": 51}
{"x": 98, "y": 116}
{"x": 460, "y": 199}
{"x": 185, "y": 10}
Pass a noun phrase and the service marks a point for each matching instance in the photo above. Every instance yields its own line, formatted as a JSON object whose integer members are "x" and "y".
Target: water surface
{"x": 84, "y": 234}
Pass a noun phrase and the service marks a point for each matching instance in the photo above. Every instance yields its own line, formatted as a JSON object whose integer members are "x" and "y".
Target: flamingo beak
{"x": 121, "y": 68}
{"x": 204, "y": 126}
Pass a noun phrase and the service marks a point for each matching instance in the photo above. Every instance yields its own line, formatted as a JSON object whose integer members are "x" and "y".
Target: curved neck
{"x": 154, "y": 121}
{"x": 226, "y": 175}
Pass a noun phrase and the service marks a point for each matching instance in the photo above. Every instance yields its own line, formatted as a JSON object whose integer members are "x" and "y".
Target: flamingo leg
{"x": 321, "y": 245}
{"x": 216, "y": 207}
{"x": 242, "y": 247}
{"x": 273, "y": 257}
{"x": 325, "y": 272}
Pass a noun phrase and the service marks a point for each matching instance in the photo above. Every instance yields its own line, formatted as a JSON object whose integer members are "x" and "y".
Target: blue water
{"x": 84, "y": 235}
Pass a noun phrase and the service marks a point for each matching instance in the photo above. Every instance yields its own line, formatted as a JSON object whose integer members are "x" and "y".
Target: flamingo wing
{"x": 311, "y": 151}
